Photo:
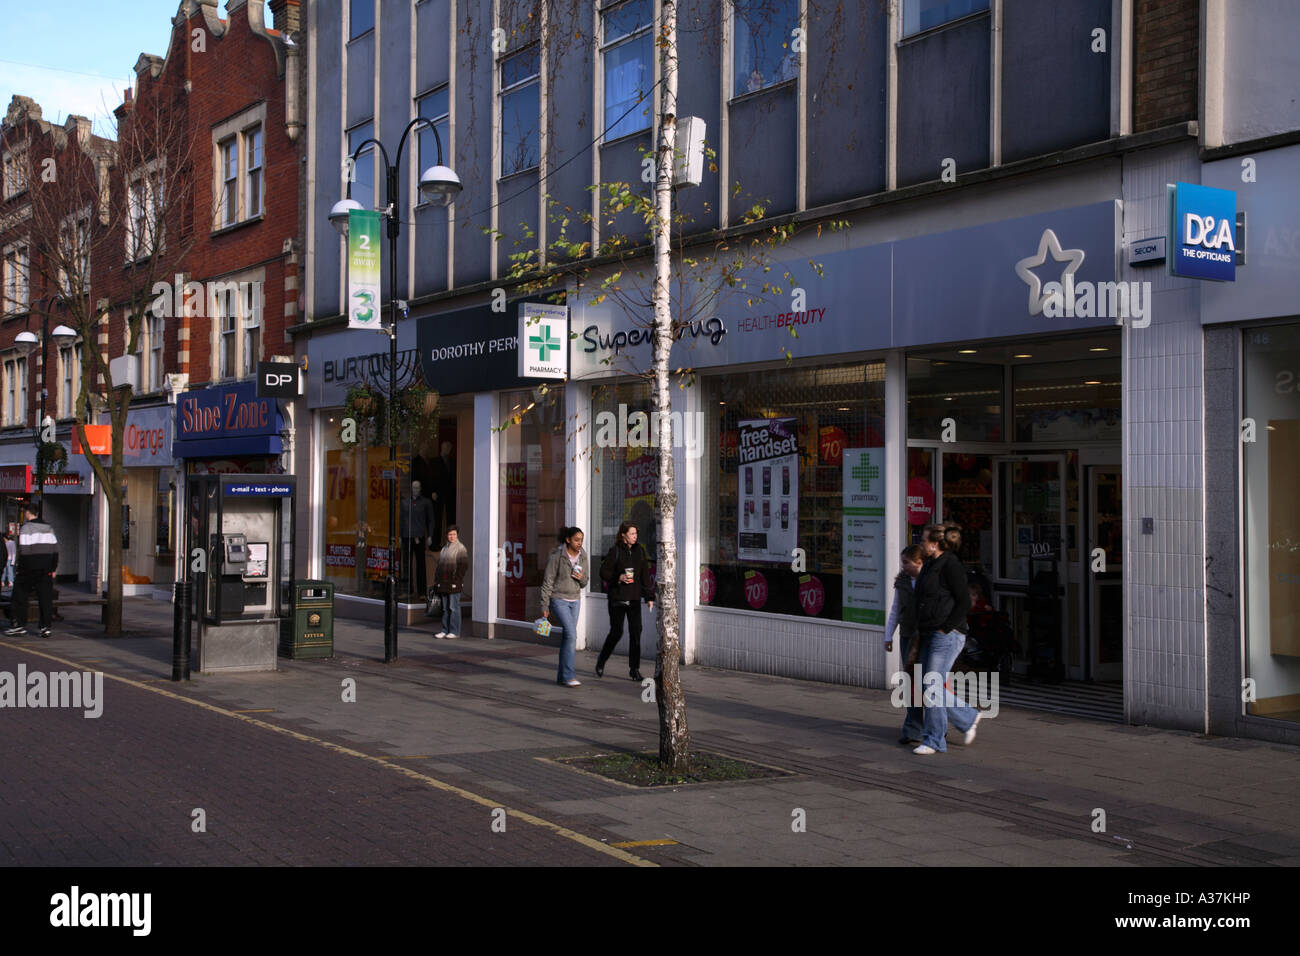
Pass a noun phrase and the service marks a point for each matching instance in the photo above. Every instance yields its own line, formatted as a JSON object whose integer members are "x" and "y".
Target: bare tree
{"x": 110, "y": 227}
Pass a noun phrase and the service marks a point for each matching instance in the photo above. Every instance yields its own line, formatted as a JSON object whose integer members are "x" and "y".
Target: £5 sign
{"x": 1203, "y": 224}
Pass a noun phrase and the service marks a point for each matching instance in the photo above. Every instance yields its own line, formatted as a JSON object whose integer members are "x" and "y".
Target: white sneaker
{"x": 970, "y": 734}
{"x": 923, "y": 750}
{"x": 441, "y": 634}
{"x": 573, "y": 683}
{"x": 451, "y": 637}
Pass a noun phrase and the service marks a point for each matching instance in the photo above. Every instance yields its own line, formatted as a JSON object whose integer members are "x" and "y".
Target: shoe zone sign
{"x": 1203, "y": 227}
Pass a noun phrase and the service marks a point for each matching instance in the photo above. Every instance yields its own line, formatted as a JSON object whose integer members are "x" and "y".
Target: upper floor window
{"x": 629, "y": 66}
{"x": 362, "y": 17}
{"x": 69, "y": 379}
{"x": 362, "y": 172}
{"x": 15, "y": 172}
{"x": 763, "y": 44}
{"x": 919, "y": 15}
{"x": 144, "y": 228}
{"x": 435, "y": 108}
{"x": 521, "y": 107}
{"x": 74, "y": 253}
{"x": 15, "y": 391}
{"x": 149, "y": 347}
{"x": 15, "y": 278}
{"x": 237, "y": 324}
{"x": 240, "y": 177}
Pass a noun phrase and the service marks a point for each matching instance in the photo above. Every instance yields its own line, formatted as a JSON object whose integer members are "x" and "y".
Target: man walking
{"x": 38, "y": 559}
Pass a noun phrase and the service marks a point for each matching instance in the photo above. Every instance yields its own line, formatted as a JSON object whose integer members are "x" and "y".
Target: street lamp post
{"x": 27, "y": 343}
{"x": 439, "y": 185}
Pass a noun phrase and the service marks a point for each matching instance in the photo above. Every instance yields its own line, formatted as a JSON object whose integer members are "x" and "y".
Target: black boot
{"x": 600, "y": 668}
{"x": 636, "y": 676}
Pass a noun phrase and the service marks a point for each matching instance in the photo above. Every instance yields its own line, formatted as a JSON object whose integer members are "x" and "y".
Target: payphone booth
{"x": 244, "y": 524}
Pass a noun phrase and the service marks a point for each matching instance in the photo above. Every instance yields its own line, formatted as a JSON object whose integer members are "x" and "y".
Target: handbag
{"x": 433, "y": 604}
{"x": 542, "y": 627}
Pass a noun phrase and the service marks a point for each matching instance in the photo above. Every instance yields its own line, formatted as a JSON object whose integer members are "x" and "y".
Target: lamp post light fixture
{"x": 439, "y": 185}
{"x": 27, "y": 342}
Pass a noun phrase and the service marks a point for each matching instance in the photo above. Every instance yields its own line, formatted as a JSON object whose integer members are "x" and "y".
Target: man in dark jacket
{"x": 38, "y": 559}
{"x": 942, "y": 603}
{"x": 626, "y": 573}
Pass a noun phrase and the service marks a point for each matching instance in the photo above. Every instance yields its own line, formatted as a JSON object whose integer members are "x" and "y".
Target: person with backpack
{"x": 902, "y": 617}
{"x": 942, "y": 603}
{"x": 626, "y": 573}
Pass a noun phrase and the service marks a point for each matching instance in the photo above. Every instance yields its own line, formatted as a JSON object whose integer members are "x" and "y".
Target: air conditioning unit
{"x": 688, "y": 168}
{"x": 125, "y": 370}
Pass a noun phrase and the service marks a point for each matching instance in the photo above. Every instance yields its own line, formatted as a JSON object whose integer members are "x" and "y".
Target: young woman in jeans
{"x": 942, "y": 603}
{"x": 567, "y": 572}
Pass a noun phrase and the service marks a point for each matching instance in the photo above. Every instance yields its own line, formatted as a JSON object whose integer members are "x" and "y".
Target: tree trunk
{"x": 674, "y": 737}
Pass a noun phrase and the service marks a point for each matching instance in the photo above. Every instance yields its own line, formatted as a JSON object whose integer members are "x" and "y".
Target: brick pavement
{"x": 481, "y": 715}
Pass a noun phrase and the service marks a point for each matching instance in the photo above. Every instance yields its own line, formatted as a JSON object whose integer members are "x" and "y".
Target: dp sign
{"x": 277, "y": 380}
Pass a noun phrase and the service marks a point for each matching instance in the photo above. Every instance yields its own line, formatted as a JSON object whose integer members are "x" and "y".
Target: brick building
{"x": 193, "y": 272}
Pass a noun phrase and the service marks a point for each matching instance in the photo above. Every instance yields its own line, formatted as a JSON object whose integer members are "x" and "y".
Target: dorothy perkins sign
{"x": 543, "y": 340}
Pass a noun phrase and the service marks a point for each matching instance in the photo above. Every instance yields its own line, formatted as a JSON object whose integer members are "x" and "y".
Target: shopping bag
{"x": 433, "y": 605}
{"x": 543, "y": 627}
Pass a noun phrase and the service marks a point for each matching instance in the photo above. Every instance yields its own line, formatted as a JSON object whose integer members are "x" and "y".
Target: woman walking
{"x": 566, "y": 574}
{"x": 626, "y": 572}
{"x": 942, "y": 603}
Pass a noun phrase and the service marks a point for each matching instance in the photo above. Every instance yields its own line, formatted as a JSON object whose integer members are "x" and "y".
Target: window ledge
{"x": 951, "y": 24}
{"x": 627, "y": 136}
{"x": 520, "y": 173}
{"x": 756, "y": 94}
{"x": 10, "y": 316}
{"x": 238, "y": 225}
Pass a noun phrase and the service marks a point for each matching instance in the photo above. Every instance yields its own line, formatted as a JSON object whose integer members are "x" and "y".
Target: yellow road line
{"x": 259, "y": 710}
{"x": 437, "y": 784}
{"x": 631, "y": 843}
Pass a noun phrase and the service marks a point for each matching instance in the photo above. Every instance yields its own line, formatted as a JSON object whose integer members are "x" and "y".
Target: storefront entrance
{"x": 1041, "y": 514}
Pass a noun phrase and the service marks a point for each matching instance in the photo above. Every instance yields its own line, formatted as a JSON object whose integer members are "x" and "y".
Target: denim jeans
{"x": 8, "y": 577}
{"x": 451, "y": 613}
{"x": 939, "y": 654}
{"x": 565, "y": 614}
{"x": 913, "y": 716}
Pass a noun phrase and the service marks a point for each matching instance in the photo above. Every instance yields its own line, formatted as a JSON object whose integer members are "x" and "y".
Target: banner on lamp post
{"x": 363, "y": 270}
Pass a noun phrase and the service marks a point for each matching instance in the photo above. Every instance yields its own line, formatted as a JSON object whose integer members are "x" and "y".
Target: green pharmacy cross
{"x": 543, "y": 343}
{"x": 865, "y": 474}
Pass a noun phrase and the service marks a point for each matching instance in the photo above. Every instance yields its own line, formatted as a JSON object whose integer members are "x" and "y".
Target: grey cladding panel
{"x": 699, "y": 58}
{"x": 763, "y": 150}
{"x": 430, "y": 236}
{"x": 516, "y": 217}
{"x": 472, "y": 121}
{"x": 1055, "y": 90}
{"x": 572, "y": 127}
{"x": 361, "y": 79}
{"x": 943, "y": 102}
{"x": 620, "y": 162}
{"x": 323, "y": 258}
{"x": 846, "y": 102}
{"x": 396, "y": 109}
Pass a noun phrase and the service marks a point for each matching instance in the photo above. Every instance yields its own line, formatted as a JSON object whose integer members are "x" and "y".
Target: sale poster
{"x": 864, "y": 535}
{"x": 768, "y": 462}
{"x": 515, "y": 586}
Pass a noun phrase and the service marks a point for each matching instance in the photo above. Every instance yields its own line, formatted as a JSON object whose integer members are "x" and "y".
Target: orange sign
{"x": 98, "y": 437}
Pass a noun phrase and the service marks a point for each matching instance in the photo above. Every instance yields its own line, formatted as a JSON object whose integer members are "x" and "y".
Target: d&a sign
{"x": 1203, "y": 226}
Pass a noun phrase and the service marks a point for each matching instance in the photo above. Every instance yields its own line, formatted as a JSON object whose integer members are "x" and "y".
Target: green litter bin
{"x": 309, "y": 631}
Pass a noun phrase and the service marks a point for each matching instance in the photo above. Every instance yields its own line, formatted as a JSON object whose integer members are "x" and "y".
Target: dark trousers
{"x": 617, "y": 611}
{"x": 24, "y": 584}
{"x": 418, "y": 575}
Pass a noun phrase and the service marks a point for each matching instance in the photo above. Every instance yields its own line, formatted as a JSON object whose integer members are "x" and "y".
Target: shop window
{"x": 919, "y": 15}
{"x": 1068, "y": 401}
{"x": 763, "y": 43}
{"x": 962, "y": 399}
{"x": 534, "y": 455}
{"x": 629, "y": 67}
{"x": 1271, "y": 383}
{"x": 623, "y": 467}
{"x": 792, "y": 504}
{"x": 521, "y": 107}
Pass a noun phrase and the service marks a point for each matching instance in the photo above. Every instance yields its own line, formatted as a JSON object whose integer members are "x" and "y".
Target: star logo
{"x": 1047, "y": 243}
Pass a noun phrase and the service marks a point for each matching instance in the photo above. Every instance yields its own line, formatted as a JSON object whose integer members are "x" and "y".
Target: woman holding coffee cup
{"x": 626, "y": 573}
{"x": 565, "y": 576}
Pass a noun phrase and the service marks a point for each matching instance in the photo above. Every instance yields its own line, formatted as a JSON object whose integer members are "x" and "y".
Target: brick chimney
{"x": 286, "y": 16}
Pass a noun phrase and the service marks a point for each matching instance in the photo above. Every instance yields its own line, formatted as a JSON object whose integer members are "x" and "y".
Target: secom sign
{"x": 1203, "y": 226}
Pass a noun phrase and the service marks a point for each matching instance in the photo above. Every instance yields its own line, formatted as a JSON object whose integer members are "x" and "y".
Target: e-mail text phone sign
{"x": 1203, "y": 226}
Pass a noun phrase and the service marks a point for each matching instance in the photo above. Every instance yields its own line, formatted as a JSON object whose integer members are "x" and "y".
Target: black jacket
{"x": 942, "y": 595}
{"x": 620, "y": 557}
{"x": 906, "y": 606}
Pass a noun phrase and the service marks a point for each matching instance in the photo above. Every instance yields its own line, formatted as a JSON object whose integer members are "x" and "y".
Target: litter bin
{"x": 309, "y": 631}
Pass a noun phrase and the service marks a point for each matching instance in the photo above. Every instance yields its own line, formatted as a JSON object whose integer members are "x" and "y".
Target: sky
{"x": 78, "y": 56}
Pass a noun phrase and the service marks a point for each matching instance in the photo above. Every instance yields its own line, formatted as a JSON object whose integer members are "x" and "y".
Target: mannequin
{"x": 418, "y": 537}
{"x": 444, "y": 489}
